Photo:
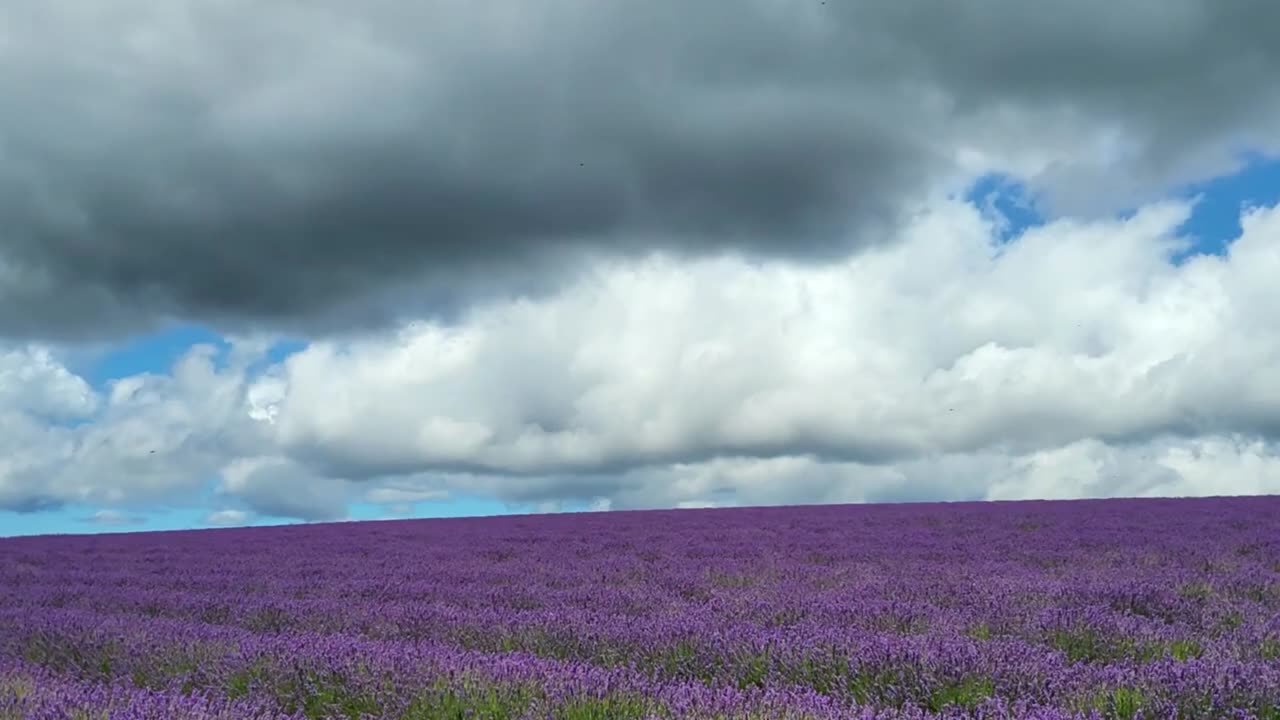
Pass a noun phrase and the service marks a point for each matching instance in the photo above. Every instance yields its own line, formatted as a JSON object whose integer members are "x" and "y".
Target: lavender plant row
{"x": 1090, "y": 609}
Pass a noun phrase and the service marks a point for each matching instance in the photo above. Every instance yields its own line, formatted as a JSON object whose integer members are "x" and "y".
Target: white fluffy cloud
{"x": 944, "y": 342}
{"x": 227, "y": 517}
{"x": 150, "y": 439}
{"x": 32, "y": 381}
{"x": 278, "y": 486}
{"x": 1217, "y": 465}
{"x": 1075, "y": 361}
{"x": 113, "y": 517}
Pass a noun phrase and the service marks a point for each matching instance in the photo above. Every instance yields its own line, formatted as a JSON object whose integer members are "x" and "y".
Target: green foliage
{"x": 730, "y": 581}
{"x": 534, "y": 641}
{"x": 1118, "y": 704}
{"x": 834, "y": 674}
{"x": 826, "y": 675}
{"x": 1269, "y": 649}
{"x": 610, "y": 708}
{"x": 787, "y": 617}
{"x": 755, "y": 671}
{"x": 525, "y": 602}
{"x": 1229, "y": 622}
{"x": 268, "y": 620}
{"x": 680, "y": 660}
{"x": 1271, "y": 712}
{"x": 1248, "y": 549}
{"x": 217, "y": 615}
{"x": 448, "y": 704}
{"x": 1264, "y": 594}
{"x": 979, "y": 631}
{"x": 330, "y": 699}
{"x": 1088, "y": 646}
{"x": 967, "y": 693}
{"x": 864, "y": 687}
{"x": 1080, "y": 645}
{"x": 317, "y": 696}
{"x": 901, "y": 624}
{"x": 480, "y": 701}
{"x": 1196, "y": 590}
{"x": 1143, "y": 652}
{"x": 1185, "y": 649}
{"x": 242, "y": 682}
{"x": 16, "y": 687}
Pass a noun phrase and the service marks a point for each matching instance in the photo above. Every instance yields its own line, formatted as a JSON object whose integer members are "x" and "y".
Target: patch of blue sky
{"x": 1007, "y": 203}
{"x": 76, "y": 519}
{"x": 153, "y": 353}
{"x": 278, "y": 352}
{"x": 157, "y": 352}
{"x": 1215, "y": 217}
{"x": 1215, "y": 220}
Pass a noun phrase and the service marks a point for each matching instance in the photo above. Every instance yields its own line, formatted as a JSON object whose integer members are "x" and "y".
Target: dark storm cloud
{"x": 357, "y": 463}
{"x": 29, "y": 503}
{"x": 305, "y": 165}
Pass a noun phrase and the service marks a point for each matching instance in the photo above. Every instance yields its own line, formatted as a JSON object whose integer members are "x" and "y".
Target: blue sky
{"x": 1216, "y": 219}
{"x": 72, "y": 519}
{"x": 1214, "y": 223}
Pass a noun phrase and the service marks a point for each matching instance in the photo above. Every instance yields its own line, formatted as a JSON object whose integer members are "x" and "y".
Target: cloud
{"x": 334, "y": 166}
{"x": 279, "y": 487}
{"x": 401, "y": 496}
{"x": 113, "y": 517}
{"x": 398, "y": 510}
{"x": 1162, "y": 467}
{"x": 39, "y": 402}
{"x": 227, "y": 518}
{"x": 943, "y": 342}
{"x": 33, "y": 381}
{"x": 1075, "y": 360}
{"x": 150, "y": 439}
{"x": 1165, "y": 467}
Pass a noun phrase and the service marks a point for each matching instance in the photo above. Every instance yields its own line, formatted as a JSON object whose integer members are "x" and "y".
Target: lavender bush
{"x": 1041, "y": 610}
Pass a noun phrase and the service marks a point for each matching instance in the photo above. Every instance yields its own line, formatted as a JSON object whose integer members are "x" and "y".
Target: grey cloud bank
{"x": 1075, "y": 361}
{"x": 326, "y": 166}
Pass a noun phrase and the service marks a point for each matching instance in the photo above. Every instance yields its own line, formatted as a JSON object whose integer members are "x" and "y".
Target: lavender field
{"x": 1097, "y": 609}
